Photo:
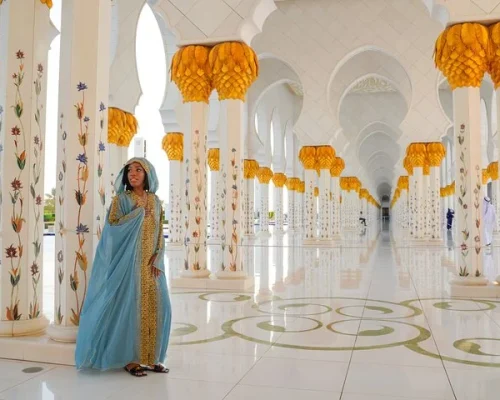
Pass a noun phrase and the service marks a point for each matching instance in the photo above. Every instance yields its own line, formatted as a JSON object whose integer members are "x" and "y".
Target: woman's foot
{"x": 135, "y": 370}
{"x": 160, "y": 368}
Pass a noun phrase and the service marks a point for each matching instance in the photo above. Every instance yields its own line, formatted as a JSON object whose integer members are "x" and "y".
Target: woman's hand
{"x": 154, "y": 271}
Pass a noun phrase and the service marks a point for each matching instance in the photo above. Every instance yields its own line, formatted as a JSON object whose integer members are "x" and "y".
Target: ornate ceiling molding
{"x": 373, "y": 84}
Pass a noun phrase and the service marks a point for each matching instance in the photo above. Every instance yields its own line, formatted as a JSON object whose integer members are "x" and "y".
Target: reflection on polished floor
{"x": 370, "y": 320}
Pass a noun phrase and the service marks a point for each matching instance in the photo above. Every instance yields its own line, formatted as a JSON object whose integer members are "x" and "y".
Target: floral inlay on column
{"x": 82, "y": 176}
{"x": 213, "y": 161}
{"x": 264, "y": 174}
{"x": 61, "y": 177}
{"x": 307, "y": 156}
{"x": 279, "y": 180}
{"x": 101, "y": 148}
{"x": 34, "y": 311}
{"x": 250, "y": 169}
{"x": 198, "y": 203}
{"x": 325, "y": 156}
{"x": 15, "y": 250}
{"x": 234, "y": 206}
{"x": 173, "y": 145}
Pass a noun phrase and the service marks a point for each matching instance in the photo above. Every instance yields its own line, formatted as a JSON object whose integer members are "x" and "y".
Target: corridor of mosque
{"x": 329, "y": 196}
{"x": 370, "y": 320}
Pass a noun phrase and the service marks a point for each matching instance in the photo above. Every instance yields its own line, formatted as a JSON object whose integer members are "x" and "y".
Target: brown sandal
{"x": 159, "y": 368}
{"x": 136, "y": 371}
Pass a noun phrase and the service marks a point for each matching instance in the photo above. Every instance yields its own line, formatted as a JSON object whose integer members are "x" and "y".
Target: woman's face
{"x": 136, "y": 175}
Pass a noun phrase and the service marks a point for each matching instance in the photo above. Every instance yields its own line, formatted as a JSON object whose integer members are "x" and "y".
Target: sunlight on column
{"x": 152, "y": 70}
{"x": 50, "y": 168}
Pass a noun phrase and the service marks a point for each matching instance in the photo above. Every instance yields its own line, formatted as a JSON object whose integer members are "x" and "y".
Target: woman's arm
{"x": 116, "y": 216}
{"x": 159, "y": 246}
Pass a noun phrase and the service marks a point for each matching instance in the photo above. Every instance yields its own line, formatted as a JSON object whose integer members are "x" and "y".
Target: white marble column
{"x": 216, "y": 200}
{"x": 231, "y": 161}
{"x": 83, "y": 92}
{"x": 466, "y": 111}
{"x": 325, "y": 210}
{"x": 426, "y": 207}
{"x": 411, "y": 196}
{"x": 192, "y": 117}
{"x": 279, "y": 180}
{"x": 299, "y": 205}
{"x": 309, "y": 211}
{"x": 25, "y": 36}
{"x": 417, "y": 154}
{"x": 264, "y": 174}
{"x": 335, "y": 187}
{"x": 325, "y": 156}
{"x": 250, "y": 169}
{"x": 194, "y": 124}
{"x": 291, "y": 184}
{"x": 173, "y": 144}
{"x": 435, "y": 155}
{"x": 307, "y": 156}
{"x": 233, "y": 67}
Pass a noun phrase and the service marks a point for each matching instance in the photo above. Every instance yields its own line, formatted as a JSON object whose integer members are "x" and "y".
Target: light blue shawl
{"x": 109, "y": 332}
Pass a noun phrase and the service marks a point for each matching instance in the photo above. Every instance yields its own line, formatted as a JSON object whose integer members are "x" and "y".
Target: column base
{"x": 62, "y": 333}
{"x": 37, "y": 349}
{"x": 27, "y": 327}
{"x": 310, "y": 242}
{"x": 427, "y": 242}
{"x": 474, "y": 288}
{"x": 237, "y": 283}
{"x": 214, "y": 241}
{"x": 325, "y": 243}
{"x": 174, "y": 246}
{"x": 190, "y": 274}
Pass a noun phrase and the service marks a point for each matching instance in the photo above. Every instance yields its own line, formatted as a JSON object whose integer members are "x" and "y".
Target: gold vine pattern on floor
{"x": 359, "y": 325}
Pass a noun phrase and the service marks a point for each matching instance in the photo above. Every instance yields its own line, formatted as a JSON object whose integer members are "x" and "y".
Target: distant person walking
{"x": 489, "y": 220}
{"x": 449, "y": 218}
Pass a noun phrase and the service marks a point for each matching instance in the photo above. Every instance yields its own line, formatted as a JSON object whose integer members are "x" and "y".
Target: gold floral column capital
{"x": 316, "y": 191}
{"x": 279, "y": 179}
{"x": 493, "y": 170}
{"x": 122, "y": 126}
{"x": 324, "y": 157}
{"x": 494, "y": 65}
{"x": 293, "y": 184}
{"x": 417, "y": 154}
{"x": 250, "y": 168}
{"x": 234, "y": 66}
{"x": 307, "y": 156}
{"x": 408, "y": 166}
{"x": 485, "y": 176}
{"x": 435, "y": 153}
{"x": 264, "y": 174}
{"x": 462, "y": 53}
{"x": 173, "y": 145}
{"x": 191, "y": 72}
{"x": 337, "y": 167}
{"x": 213, "y": 159}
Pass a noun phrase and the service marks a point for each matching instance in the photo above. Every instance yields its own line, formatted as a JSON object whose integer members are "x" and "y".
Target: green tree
{"x": 50, "y": 205}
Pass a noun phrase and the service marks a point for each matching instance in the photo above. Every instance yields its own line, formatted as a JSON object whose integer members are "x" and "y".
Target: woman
{"x": 125, "y": 321}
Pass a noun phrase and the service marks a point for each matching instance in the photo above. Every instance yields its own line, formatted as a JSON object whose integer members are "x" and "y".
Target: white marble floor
{"x": 371, "y": 320}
